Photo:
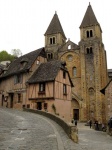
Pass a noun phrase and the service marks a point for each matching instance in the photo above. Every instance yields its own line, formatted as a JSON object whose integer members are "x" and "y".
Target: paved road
{"x": 27, "y": 131}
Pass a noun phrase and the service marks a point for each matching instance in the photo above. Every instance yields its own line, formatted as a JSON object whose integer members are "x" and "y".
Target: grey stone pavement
{"x": 27, "y": 131}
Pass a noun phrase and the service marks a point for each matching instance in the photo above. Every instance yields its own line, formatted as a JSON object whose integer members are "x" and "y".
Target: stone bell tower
{"x": 93, "y": 67}
{"x": 54, "y": 38}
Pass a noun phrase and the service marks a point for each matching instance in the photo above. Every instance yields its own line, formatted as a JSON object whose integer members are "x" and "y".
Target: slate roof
{"x": 109, "y": 72}
{"x": 15, "y": 67}
{"x": 73, "y": 46}
{"x": 103, "y": 90}
{"x": 89, "y": 18}
{"x": 47, "y": 72}
{"x": 55, "y": 26}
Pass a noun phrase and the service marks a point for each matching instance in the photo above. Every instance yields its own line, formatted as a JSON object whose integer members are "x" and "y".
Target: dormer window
{"x": 52, "y": 40}
{"x": 89, "y": 33}
{"x": 23, "y": 62}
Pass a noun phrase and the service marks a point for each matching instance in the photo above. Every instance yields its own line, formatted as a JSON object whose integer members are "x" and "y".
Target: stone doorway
{"x": 76, "y": 114}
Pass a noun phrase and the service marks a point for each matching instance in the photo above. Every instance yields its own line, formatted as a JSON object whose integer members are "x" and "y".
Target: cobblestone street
{"x": 27, "y": 131}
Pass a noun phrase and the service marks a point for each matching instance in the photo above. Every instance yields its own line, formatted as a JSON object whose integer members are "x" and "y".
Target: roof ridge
{"x": 89, "y": 18}
{"x": 55, "y": 26}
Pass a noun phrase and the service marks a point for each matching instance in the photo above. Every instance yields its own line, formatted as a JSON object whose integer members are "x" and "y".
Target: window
{"x": 64, "y": 74}
{"x": 64, "y": 89}
{"x": 52, "y": 40}
{"x": 41, "y": 87}
{"x": 50, "y": 56}
{"x": 70, "y": 57}
{"x": 74, "y": 71}
{"x": 18, "y": 79}
{"x": 69, "y": 46}
{"x": 89, "y": 50}
{"x": 89, "y": 33}
{"x": 45, "y": 106}
{"x": 19, "y": 98}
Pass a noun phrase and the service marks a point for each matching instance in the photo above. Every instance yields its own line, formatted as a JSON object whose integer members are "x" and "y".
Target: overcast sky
{"x": 24, "y": 22}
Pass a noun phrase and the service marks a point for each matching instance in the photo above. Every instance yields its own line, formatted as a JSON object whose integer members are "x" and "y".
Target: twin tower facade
{"x": 86, "y": 63}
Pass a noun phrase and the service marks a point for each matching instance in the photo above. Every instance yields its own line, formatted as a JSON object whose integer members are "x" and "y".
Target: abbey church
{"x": 86, "y": 63}
{"x": 86, "y": 74}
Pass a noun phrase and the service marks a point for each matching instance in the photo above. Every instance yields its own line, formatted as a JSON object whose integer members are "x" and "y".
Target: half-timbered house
{"x": 13, "y": 81}
{"x": 49, "y": 89}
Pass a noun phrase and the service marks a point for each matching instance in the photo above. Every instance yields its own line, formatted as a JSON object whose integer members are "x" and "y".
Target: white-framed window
{"x": 42, "y": 87}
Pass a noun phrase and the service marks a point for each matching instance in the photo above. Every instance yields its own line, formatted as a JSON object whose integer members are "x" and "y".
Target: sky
{"x": 24, "y": 22}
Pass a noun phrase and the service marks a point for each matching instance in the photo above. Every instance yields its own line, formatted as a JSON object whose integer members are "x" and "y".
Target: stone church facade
{"x": 86, "y": 63}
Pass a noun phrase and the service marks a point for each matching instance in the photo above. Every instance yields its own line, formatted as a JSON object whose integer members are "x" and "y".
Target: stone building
{"x": 86, "y": 63}
{"x": 107, "y": 91}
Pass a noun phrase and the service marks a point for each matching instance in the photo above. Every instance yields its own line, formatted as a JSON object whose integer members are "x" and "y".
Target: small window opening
{"x": 64, "y": 89}
{"x": 64, "y": 74}
{"x": 87, "y": 33}
{"x": 53, "y": 40}
{"x": 50, "y": 40}
{"x": 91, "y": 33}
{"x": 42, "y": 87}
{"x": 74, "y": 71}
{"x": 91, "y": 50}
{"x": 87, "y": 50}
{"x": 69, "y": 46}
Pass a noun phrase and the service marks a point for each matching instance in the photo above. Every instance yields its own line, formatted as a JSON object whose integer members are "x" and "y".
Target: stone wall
{"x": 70, "y": 130}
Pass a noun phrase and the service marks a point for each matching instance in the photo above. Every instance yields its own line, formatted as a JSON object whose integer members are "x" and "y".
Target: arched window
{"x": 91, "y": 33}
{"x": 52, "y": 40}
{"x": 74, "y": 70}
{"x": 50, "y": 56}
{"x": 87, "y": 49}
{"x": 91, "y": 50}
{"x": 87, "y": 34}
{"x": 69, "y": 46}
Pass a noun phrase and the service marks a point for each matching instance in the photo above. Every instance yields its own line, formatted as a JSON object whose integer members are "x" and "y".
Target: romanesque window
{"x": 69, "y": 46}
{"x": 89, "y": 33}
{"x": 42, "y": 87}
{"x": 52, "y": 40}
{"x": 50, "y": 56}
{"x": 89, "y": 50}
{"x": 64, "y": 89}
{"x": 74, "y": 71}
{"x": 70, "y": 57}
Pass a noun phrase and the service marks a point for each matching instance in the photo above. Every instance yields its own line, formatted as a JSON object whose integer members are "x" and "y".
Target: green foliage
{"x": 4, "y": 56}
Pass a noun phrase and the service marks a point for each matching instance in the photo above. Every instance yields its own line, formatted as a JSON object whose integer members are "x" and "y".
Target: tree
{"x": 5, "y": 56}
{"x": 16, "y": 52}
